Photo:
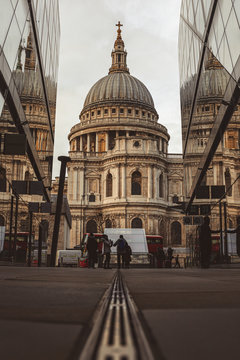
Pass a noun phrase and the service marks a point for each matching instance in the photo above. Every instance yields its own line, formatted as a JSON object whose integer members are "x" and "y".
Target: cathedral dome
{"x": 119, "y": 87}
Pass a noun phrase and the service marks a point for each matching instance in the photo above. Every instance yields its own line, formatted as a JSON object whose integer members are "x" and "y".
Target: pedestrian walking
{"x": 92, "y": 250}
{"x": 177, "y": 263}
{"x": 121, "y": 250}
{"x": 205, "y": 243}
{"x": 127, "y": 256}
{"x": 169, "y": 257}
{"x": 161, "y": 257}
{"x": 107, "y": 244}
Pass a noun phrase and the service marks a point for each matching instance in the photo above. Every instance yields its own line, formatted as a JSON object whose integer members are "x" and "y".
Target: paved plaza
{"x": 46, "y": 313}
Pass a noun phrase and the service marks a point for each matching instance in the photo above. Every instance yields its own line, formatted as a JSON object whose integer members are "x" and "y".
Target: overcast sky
{"x": 88, "y": 32}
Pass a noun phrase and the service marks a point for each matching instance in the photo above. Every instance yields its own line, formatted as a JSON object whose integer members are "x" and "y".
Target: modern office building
{"x": 121, "y": 174}
{"x": 29, "y": 51}
{"x": 209, "y": 62}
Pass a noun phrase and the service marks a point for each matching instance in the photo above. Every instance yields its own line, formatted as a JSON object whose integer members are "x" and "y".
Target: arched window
{"x": 136, "y": 223}
{"x": 108, "y": 224}
{"x": 109, "y": 185}
{"x": 91, "y": 226}
{"x": 176, "y": 231}
{"x": 2, "y": 221}
{"x": 3, "y": 183}
{"x": 136, "y": 183}
{"x": 228, "y": 182}
{"x": 161, "y": 186}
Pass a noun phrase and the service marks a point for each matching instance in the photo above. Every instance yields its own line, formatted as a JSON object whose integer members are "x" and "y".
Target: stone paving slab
{"x": 191, "y": 314}
{"x": 43, "y": 310}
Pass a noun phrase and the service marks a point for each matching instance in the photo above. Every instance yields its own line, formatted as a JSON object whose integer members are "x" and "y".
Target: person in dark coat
{"x": 92, "y": 250}
{"x": 127, "y": 256}
{"x": 107, "y": 244}
{"x": 121, "y": 244}
{"x": 169, "y": 257}
{"x": 205, "y": 243}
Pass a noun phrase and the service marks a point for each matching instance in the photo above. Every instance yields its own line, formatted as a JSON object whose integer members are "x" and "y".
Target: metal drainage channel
{"x": 117, "y": 333}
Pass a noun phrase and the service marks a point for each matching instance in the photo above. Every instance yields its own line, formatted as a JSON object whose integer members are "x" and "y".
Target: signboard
{"x": 136, "y": 239}
{"x": 69, "y": 257}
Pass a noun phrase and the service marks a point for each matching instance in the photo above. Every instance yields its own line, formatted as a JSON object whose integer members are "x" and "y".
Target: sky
{"x": 88, "y": 32}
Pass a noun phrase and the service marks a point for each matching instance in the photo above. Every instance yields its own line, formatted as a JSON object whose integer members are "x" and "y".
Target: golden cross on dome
{"x": 119, "y": 28}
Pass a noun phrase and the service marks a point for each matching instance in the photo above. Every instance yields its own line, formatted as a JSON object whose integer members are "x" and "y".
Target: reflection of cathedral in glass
{"x": 209, "y": 71}
{"x": 28, "y": 85}
{"x": 121, "y": 174}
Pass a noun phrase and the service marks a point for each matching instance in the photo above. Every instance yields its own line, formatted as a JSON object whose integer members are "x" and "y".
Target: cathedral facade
{"x": 121, "y": 174}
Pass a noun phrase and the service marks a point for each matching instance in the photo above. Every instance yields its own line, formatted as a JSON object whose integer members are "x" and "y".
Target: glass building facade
{"x": 209, "y": 63}
{"x": 29, "y": 52}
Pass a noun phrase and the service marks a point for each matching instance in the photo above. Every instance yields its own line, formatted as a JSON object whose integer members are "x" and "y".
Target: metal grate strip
{"x": 115, "y": 338}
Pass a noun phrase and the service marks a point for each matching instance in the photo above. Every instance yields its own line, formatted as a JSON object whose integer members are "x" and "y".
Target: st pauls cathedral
{"x": 121, "y": 174}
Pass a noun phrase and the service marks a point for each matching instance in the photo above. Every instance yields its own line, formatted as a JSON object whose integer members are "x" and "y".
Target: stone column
{"x": 107, "y": 141}
{"x": 165, "y": 186}
{"x": 160, "y": 144}
{"x": 88, "y": 142}
{"x": 74, "y": 183}
{"x": 124, "y": 181}
{"x": 150, "y": 183}
{"x": 80, "y": 143}
{"x": 117, "y": 180}
{"x": 81, "y": 180}
{"x": 96, "y": 143}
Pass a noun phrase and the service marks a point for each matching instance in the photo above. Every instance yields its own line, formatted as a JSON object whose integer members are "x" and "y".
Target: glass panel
{"x": 5, "y": 18}
{"x": 14, "y": 3}
{"x": 233, "y": 37}
{"x": 224, "y": 55}
{"x": 1, "y": 102}
{"x": 191, "y": 13}
{"x": 12, "y": 42}
{"x": 200, "y": 23}
{"x": 237, "y": 11}
{"x": 206, "y": 7}
{"x": 21, "y": 14}
{"x": 218, "y": 25}
{"x": 225, "y": 6}
{"x": 212, "y": 44}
